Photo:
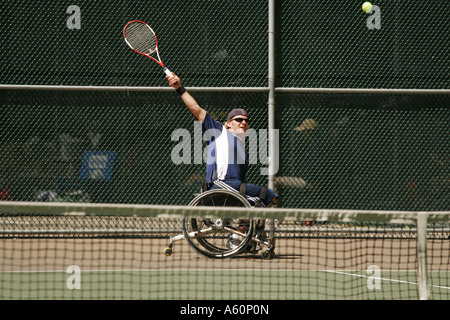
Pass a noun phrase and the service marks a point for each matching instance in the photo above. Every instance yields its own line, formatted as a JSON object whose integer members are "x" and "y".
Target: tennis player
{"x": 227, "y": 161}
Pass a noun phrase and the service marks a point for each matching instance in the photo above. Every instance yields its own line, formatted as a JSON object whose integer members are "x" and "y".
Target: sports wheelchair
{"x": 226, "y": 237}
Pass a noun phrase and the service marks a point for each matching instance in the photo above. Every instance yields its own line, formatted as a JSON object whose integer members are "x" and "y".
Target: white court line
{"x": 385, "y": 279}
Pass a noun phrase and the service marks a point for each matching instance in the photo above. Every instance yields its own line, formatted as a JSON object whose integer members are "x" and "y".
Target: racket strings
{"x": 141, "y": 38}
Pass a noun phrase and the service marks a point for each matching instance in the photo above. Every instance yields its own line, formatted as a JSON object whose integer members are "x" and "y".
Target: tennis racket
{"x": 142, "y": 39}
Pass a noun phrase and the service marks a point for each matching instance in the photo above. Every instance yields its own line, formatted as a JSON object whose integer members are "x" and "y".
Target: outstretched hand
{"x": 174, "y": 81}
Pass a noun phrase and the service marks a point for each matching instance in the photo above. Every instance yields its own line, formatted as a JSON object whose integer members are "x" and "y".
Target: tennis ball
{"x": 367, "y": 7}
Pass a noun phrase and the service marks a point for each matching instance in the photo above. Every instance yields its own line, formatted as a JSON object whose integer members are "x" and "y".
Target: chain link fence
{"x": 352, "y": 150}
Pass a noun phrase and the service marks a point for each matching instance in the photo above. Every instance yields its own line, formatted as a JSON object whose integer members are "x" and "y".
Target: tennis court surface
{"x": 72, "y": 253}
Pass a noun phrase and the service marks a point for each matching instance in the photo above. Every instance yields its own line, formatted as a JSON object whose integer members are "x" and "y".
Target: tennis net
{"x": 101, "y": 251}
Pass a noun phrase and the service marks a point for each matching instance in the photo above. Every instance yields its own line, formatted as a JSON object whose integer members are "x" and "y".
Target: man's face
{"x": 238, "y": 125}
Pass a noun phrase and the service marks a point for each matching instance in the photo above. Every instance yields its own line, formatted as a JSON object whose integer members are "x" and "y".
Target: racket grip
{"x": 167, "y": 71}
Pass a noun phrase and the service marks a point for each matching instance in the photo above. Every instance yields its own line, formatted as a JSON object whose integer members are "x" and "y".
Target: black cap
{"x": 236, "y": 112}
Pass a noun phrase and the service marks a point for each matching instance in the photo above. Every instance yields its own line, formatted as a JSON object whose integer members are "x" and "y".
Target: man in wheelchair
{"x": 226, "y": 170}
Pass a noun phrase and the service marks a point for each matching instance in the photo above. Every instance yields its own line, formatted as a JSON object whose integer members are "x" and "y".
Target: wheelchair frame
{"x": 219, "y": 238}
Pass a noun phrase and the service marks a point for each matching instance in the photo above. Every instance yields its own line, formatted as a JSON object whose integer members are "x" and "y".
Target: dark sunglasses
{"x": 240, "y": 120}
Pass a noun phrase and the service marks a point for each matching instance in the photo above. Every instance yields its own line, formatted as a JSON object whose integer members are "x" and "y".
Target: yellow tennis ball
{"x": 367, "y": 7}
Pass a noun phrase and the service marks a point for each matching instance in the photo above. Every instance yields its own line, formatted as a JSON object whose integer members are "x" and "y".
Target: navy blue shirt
{"x": 227, "y": 158}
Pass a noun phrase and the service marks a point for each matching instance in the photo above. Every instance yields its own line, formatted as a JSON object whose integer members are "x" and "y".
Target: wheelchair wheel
{"x": 218, "y": 237}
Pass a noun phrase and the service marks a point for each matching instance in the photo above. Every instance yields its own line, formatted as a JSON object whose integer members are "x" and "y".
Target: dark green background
{"x": 224, "y": 43}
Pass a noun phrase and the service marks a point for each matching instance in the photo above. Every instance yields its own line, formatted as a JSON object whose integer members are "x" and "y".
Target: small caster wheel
{"x": 168, "y": 252}
{"x": 268, "y": 255}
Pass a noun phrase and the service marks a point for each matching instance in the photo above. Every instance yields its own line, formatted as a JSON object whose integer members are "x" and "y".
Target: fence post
{"x": 271, "y": 84}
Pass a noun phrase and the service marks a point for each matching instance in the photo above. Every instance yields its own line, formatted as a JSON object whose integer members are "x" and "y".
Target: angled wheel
{"x": 218, "y": 237}
{"x": 268, "y": 254}
{"x": 168, "y": 251}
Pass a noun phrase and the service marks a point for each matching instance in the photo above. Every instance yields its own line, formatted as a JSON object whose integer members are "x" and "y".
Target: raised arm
{"x": 188, "y": 100}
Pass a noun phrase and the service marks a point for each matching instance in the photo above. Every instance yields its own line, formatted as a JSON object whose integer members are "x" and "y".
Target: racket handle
{"x": 167, "y": 71}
